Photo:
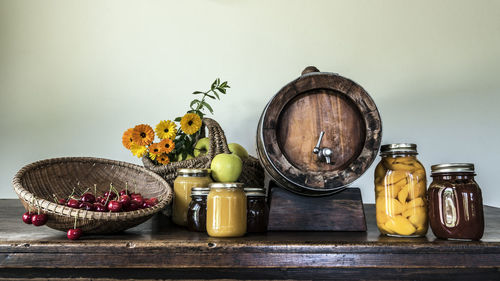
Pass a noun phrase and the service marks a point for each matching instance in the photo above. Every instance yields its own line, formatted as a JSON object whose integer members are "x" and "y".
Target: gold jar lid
{"x": 255, "y": 194}
{"x": 225, "y": 185}
{"x": 452, "y": 168}
{"x": 192, "y": 172}
{"x": 398, "y": 148}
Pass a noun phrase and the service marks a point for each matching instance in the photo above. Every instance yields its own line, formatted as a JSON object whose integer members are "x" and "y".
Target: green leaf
{"x": 212, "y": 97}
{"x": 222, "y": 90}
{"x": 224, "y": 84}
{"x": 218, "y": 81}
{"x": 198, "y": 93}
{"x": 208, "y": 107}
{"x": 178, "y": 119}
{"x": 193, "y": 103}
{"x": 214, "y": 85}
{"x": 217, "y": 95}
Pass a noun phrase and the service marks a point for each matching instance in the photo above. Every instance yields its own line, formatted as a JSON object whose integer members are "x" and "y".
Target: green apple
{"x": 180, "y": 158}
{"x": 238, "y": 150}
{"x": 202, "y": 147}
{"x": 226, "y": 167}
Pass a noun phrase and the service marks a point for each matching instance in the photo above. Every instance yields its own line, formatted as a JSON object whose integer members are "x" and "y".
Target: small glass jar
{"x": 185, "y": 181}
{"x": 197, "y": 210}
{"x": 400, "y": 192}
{"x": 226, "y": 210}
{"x": 455, "y": 202}
{"x": 257, "y": 211}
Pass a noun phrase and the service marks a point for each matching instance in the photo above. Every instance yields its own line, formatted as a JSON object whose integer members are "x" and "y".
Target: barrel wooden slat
{"x": 291, "y": 124}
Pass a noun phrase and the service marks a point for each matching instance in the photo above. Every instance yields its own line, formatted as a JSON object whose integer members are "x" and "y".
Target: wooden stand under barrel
{"x": 317, "y": 135}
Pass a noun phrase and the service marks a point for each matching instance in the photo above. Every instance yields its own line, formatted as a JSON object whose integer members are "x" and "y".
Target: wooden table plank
{"x": 163, "y": 248}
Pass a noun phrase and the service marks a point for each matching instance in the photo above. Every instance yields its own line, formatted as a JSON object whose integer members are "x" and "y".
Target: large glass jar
{"x": 455, "y": 202}
{"x": 197, "y": 210}
{"x": 185, "y": 181}
{"x": 226, "y": 210}
{"x": 257, "y": 211}
{"x": 400, "y": 190}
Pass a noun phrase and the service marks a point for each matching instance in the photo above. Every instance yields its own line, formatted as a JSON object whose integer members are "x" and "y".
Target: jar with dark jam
{"x": 257, "y": 211}
{"x": 197, "y": 209}
{"x": 455, "y": 202}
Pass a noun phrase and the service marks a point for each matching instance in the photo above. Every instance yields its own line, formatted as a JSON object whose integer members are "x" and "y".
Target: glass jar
{"x": 400, "y": 187}
{"x": 197, "y": 209}
{"x": 257, "y": 211}
{"x": 226, "y": 210}
{"x": 455, "y": 202}
{"x": 185, "y": 181}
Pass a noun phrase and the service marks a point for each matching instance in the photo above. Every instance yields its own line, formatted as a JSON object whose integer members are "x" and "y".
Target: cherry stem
{"x": 85, "y": 191}
{"x": 116, "y": 192}
{"x": 73, "y": 192}
{"x": 126, "y": 187}
{"x": 55, "y": 198}
{"x": 107, "y": 197}
{"x": 95, "y": 189}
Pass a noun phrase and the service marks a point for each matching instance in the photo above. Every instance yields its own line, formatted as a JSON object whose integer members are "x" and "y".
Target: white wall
{"x": 75, "y": 74}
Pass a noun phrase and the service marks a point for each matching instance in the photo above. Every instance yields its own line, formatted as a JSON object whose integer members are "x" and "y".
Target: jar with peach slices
{"x": 400, "y": 191}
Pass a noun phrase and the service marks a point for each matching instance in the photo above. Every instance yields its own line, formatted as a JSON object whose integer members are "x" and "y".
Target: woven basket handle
{"x": 218, "y": 142}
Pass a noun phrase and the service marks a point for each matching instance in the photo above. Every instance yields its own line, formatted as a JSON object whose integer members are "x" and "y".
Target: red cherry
{"x": 133, "y": 206}
{"x": 137, "y": 199}
{"x": 27, "y": 217}
{"x": 109, "y": 195}
{"x": 98, "y": 207}
{"x": 86, "y": 206}
{"x": 123, "y": 192}
{"x": 73, "y": 203}
{"x": 75, "y": 233}
{"x": 125, "y": 200}
{"x": 62, "y": 201}
{"x": 38, "y": 220}
{"x": 114, "y": 206}
{"x": 154, "y": 200}
{"x": 88, "y": 197}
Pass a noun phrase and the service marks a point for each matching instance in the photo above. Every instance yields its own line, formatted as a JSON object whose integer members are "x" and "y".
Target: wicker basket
{"x": 36, "y": 183}
{"x": 252, "y": 174}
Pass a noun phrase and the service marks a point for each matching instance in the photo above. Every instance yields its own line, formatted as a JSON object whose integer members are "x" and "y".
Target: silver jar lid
{"x": 225, "y": 185}
{"x": 255, "y": 194}
{"x": 254, "y": 189}
{"x": 192, "y": 172}
{"x": 200, "y": 191}
{"x": 452, "y": 168}
{"x": 398, "y": 148}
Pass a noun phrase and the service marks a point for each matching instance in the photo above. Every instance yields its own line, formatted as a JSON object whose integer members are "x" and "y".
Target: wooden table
{"x": 157, "y": 249}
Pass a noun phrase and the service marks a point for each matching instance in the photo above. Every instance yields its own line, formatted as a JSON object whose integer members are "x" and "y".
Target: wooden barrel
{"x": 291, "y": 124}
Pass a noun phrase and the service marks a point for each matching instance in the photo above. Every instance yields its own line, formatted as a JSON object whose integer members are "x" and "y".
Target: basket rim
{"x": 50, "y": 207}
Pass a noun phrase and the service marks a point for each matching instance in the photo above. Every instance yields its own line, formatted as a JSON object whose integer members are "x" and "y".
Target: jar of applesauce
{"x": 455, "y": 202}
{"x": 400, "y": 191}
{"x": 226, "y": 210}
{"x": 185, "y": 181}
{"x": 197, "y": 210}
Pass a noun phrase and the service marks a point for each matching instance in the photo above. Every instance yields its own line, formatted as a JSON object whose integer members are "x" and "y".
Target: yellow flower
{"x": 127, "y": 138}
{"x": 143, "y": 134}
{"x": 166, "y": 146}
{"x": 138, "y": 150}
{"x": 190, "y": 123}
{"x": 163, "y": 159}
{"x": 166, "y": 129}
{"x": 152, "y": 156}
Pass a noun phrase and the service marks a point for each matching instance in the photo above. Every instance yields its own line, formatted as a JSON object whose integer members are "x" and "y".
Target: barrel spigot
{"x": 324, "y": 153}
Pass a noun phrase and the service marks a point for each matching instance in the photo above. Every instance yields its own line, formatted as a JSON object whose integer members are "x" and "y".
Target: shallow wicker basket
{"x": 252, "y": 174}
{"x": 37, "y": 183}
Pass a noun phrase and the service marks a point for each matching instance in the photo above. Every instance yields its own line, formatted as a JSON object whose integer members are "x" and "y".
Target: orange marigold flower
{"x": 143, "y": 134}
{"x": 127, "y": 138}
{"x": 163, "y": 159}
{"x": 155, "y": 149}
{"x": 167, "y": 145}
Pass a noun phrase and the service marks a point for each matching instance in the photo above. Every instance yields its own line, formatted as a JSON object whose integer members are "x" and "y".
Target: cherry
{"x": 40, "y": 219}
{"x": 86, "y": 206}
{"x": 75, "y": 233}
{"x": 125, "y": 200}
{"x": 99, "y": 207}
{"x": 62, "y": 201}
{"x": 137, "y": 199}
{"x": 88, "y": 197}
{"x": 109, "y": 195}
{"x": 114, "y": 206}
{"x": 133, "y": 206}
{"x": 27, "y": 217}
{"x": 154, "y": 200}
{"x": 123, "y": 192}
{"x": 73, "y": 203}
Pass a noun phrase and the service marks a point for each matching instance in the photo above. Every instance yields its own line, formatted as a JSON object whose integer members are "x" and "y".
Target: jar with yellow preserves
{"x": 226, "y": 210}
{"x": 185, "y": 181}
{"x": 400, "y": 191}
